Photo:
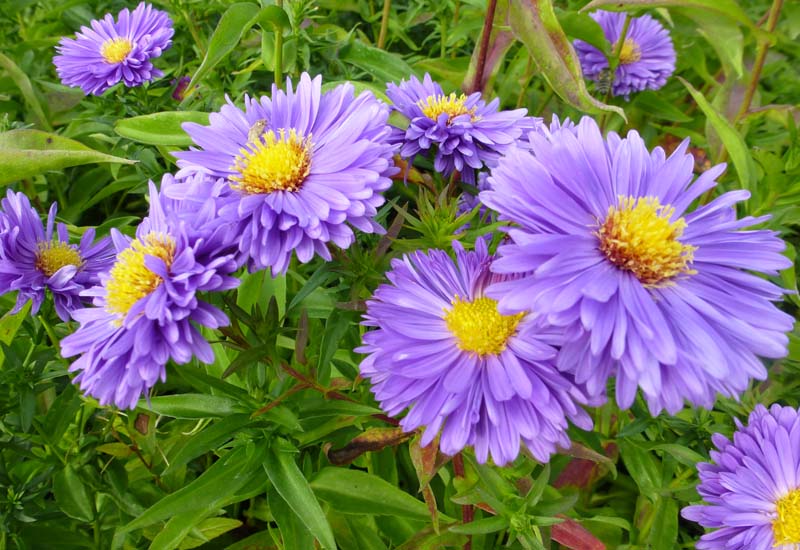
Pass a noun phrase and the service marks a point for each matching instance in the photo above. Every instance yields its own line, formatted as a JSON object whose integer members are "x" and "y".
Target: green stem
{"x": 387, "y": 10}
{"x": 279, "y": 50}
{"x": 613, "y": 63}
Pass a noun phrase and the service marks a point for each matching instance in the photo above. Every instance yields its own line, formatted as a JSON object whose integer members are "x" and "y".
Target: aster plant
{"x": 302, "y": 167}
{"x": 751, "y": 488}
{"x": 646, "y": 56}
{"x": 115, "y": 51}
{"x": 465, "y": 371}
{"x": 465, "y": 132}
{"x": 35, "y": 258}
{"x": 147, "y": 307}
{"x": 647, "y": 290}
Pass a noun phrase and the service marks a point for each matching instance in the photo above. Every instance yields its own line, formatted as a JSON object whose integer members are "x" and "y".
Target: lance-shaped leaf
{"x": 160, "y": 128}
{"x": 26, "y": 153}
{"x": 534, "y": 23}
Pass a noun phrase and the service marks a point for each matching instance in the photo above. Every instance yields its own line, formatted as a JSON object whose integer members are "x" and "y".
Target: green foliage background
{"x": 279, "y": 442}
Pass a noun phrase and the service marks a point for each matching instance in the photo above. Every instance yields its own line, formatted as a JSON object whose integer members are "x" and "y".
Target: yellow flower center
{"x": 479, "y": 327}
{"x": 53, "y": 256}
{"x": 638, "y": 235}
{"x": 130, "y": 280}
{"x": 273, "y": 163}
{"x": 433, "y": 106}
{"x": 115, "y": 50}
{"x": 630, "y": 52}
{"x": 786, "y": 526}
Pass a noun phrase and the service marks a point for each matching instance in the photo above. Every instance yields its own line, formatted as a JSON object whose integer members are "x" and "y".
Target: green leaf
{"x": 207, "y": 530}
{"x": 724, "y": 36}
{"x": 72, "y": 496}
{"x": 356, "y": 492}
{"x": 208, "y": 439}
{"x": 24, "y": 84}
{"x": 236, "y": 21}
{"x": 656, "y": 106}
{"x": 582, "y": 26}
{"x": 734, "y": 143}
{"x": 26, "y": 153}
{"x": 160, "y": 128}
{"x": 290, "y": 484}
{"x": 275, "y": 17}
{"x": 380, "y": 64}
{"x": 728, "y": 9}
{"x": 224, "y": 478}
{"x": 481, "y": 526}
{"x": 192, "y": 405}
{"x": 293, "y": 532}
{"x": 642, "y": 466}
{"x": 682, "y": 454}
{"x": 9, "y": 326}
{"x": 664, "y": 532}
{"x": 534, "y": 23}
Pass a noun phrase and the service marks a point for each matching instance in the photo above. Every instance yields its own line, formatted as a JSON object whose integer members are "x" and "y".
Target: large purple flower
{"x": 467, "y": 133}
{"x": 148, "y": 305}
{"x": 752, "y": 487}
{"x": 301, "y": 166}
{"x": 34, "y": 258}
{"x": 110, "y": 51}
{"x": 443, "y": 350}
{"x": 646, "y": 59}
{"x": 646, "y": 289}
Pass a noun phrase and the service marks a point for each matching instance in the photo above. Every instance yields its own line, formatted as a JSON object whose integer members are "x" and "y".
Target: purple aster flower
{"x": 646, "y": 59}
{"x": 147, "y": 306}
{"x": 110, "y": 51}
{"x": 468, "y": 133}
{"x": 34, "y": 258}
{"x": 300, "y": 167}
{"x": 646, "y": 289}
{"x": 444, "y": 351}
{"x": 752, "y": 487}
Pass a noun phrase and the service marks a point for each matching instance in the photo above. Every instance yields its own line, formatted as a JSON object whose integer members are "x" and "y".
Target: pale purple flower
{"x": 147, "y": 309}
{"x": 647, "y": 289}
{"x": 647, "y": 56}
{"x": 465, "y": 132}
{"x": 302, "y": 167}
{"x": 751, "y": 488}
{"x": 115, "y": 51}
{"x": 478, "y": 378}
{"x": 35, "y": 258}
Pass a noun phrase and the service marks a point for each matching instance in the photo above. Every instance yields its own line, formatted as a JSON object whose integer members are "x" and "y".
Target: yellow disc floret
{"x": 52, "y": 256}
{"x": 130, "y": 280}
{"x": 433, "y": 106}
{"x": 273, "y": 163}
{"x": 638, "y": 235}
{"x": 786, "y": 526}
{"x": 630, "y": 52}
{"x": 115, "y": 50}
{"x": 479, "y": 327}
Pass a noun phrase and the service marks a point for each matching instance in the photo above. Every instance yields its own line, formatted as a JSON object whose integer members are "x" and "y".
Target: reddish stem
{"x": 477, "y": 84}
{"x": 467, "y": 511}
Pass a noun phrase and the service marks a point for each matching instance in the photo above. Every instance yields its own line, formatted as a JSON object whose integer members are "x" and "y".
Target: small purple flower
{"x": 468, "y": 134}
{"x": 752, "y": 487}
{"x": 34, "y": 258}
{"x": 147, "y": 305}
{"x": 301, "y": 167}
{"x": 646, "y": 60}
{"x": 110, "y": 51}
{"x": 646, "y": 289}
{"x": 443, "y": 350}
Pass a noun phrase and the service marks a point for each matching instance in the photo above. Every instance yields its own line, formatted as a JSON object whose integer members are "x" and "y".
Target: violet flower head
{"x": 115, "y": 51}
{"x": 148, "y": 305}
{"x": 302, "y": 167}
{"x": 646, "y": 59}
{"x": 467, "y": 134}
{"x": 751, "y": 488}
{"x": 647, "y": 290}
{"x": 35, "y": 258}
{"x": 442, "y": 350}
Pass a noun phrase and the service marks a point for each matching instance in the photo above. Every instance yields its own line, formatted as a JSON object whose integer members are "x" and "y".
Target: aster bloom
{"x": 113, "y": 51}
{"x": 147, "y": 306}
{"x": 646, "y": 289}
{"x": 752, "y": 487}
{"x": 302, "y": 167}
{"x": 443, "y": 350}
{"x": 35, "y": 258}
{"x": 466, "y": 132}
{"x": 646, "y": 59}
